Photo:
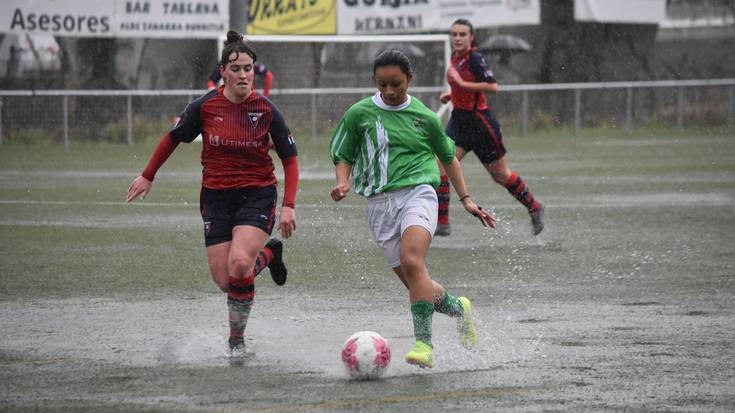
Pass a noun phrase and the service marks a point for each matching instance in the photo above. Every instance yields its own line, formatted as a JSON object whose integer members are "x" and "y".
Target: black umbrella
{"x": 505, "y": 43}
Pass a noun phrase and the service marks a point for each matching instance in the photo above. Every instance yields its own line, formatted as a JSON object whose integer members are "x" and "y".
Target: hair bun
{"x": 232, "y": 37}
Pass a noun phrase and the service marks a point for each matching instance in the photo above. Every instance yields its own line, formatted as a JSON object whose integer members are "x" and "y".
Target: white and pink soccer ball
{"x": 366, "y": 355}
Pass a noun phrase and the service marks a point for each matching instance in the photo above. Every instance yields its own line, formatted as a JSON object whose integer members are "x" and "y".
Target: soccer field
{"x": 625, "y": 302}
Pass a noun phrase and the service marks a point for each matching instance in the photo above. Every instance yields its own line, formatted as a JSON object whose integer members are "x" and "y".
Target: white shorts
{"x": 391, "y": 213}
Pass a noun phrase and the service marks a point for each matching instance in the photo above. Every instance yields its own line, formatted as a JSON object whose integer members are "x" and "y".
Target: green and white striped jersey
{"x": 390, "y": 147}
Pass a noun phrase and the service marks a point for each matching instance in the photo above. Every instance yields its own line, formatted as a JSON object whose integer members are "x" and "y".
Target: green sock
{"x": 422, "y": 312}
{"x": 450, "y": 306}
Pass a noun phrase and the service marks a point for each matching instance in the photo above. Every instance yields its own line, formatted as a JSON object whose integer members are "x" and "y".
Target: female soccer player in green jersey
{"x": 388, "y": 143}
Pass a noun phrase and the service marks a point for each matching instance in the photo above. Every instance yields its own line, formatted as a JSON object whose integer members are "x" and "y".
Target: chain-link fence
{"x": 125, "y": 116}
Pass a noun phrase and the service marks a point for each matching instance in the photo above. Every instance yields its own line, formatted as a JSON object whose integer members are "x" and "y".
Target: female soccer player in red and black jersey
{"x": 238, "y": 196}
{"x": 475, "y": 128}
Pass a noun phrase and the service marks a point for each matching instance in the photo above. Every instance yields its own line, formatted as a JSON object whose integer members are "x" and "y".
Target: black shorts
{"x": 477, "y": 131}
{"x": 223, "y": 209}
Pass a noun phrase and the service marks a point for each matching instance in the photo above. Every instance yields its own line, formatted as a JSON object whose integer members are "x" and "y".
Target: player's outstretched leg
{"x": 443, "y": 196}
{"x": 518, "y": 188}
{"x": 276, "y": 265}
{"x": 461, "y": 309}
{"x": 538, "y": 218}
{"x": 465, "y": 327}
{"x": 240, "y": 296}
{"x": 422, "y": 353}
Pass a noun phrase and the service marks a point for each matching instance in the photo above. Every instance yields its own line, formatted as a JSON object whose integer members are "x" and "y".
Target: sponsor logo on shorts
{"x": 207, "y": 227}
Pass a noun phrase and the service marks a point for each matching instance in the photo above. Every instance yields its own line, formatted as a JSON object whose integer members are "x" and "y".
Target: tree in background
{"x": 591, "y": 52}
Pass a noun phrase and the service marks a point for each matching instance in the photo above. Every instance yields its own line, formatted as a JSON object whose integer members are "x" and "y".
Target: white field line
{"x": 140, "y": 203}
{"x": 304, "y": 174}
{"x": 317, "y": 175}
{"x": 636, "y": 200}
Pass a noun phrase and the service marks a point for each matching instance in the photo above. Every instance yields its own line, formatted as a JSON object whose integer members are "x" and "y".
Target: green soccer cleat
{"x": 465, "y": 326}
{"x": 421, "y": 355}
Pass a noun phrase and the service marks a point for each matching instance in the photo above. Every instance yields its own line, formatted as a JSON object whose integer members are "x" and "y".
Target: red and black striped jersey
{"x": 235, "y": 139}
{"x": 472, "y": 67}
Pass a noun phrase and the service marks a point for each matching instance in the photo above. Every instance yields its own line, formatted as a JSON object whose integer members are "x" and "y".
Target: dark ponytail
{"x": 235, "y": 43}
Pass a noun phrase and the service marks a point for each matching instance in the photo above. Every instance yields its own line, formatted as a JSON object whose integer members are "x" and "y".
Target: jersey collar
{"x": 466, "y": 52}
{"x": 378, "y": 101}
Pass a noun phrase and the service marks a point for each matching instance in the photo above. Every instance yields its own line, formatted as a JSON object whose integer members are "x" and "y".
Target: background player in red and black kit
{"x": 260, "y": 70}
{"x": 473, "y": 127}
{"x": 238, "y": 196}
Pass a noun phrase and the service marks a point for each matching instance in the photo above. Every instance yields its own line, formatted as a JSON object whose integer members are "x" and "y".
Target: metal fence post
{"x": 524, "y": 111}
{"x": 629, "y": 110}
{"x": 577, "y": 110}
{"x": 65, "y": 112}
{"x": 130, "y": 119}
{"x": 731, "y": 113}
{"x": 680, "y": 108}
{"x": 313, "y": 117}
{"x": 725, "y": 101}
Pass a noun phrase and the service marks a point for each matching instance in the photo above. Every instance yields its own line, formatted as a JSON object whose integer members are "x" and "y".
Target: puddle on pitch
{"x": 292, "y": 333}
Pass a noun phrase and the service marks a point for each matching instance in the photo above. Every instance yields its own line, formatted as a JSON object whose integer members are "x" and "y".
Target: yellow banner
{"x": 292, "y": 17}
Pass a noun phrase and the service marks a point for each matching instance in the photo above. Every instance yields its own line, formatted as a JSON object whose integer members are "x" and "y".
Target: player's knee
{"x": 412, "y": 264}
{"x": 500, "y": 175}
{"x": 240, "y": 267}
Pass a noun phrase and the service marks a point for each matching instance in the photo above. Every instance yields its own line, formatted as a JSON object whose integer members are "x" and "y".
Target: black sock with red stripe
{"x": 517, "y": 187}
{"x": 262, "y": 260}
{"x": 240, "y": 296}
{"x": 443, "y": 195}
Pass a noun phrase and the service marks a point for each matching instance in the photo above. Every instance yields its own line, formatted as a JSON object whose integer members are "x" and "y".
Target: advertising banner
{"x": 292, "y": 17}
{"x": 412, "y": 16}
{"x": 620, "y": 11}
{"x": 116, "y": 18}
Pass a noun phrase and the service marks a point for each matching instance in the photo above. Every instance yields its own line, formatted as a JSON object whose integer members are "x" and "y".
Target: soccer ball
{"x": 366, "y": 355}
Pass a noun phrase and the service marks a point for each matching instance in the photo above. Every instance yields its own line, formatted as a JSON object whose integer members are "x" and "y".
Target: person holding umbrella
{"x": 474, "y": 127}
